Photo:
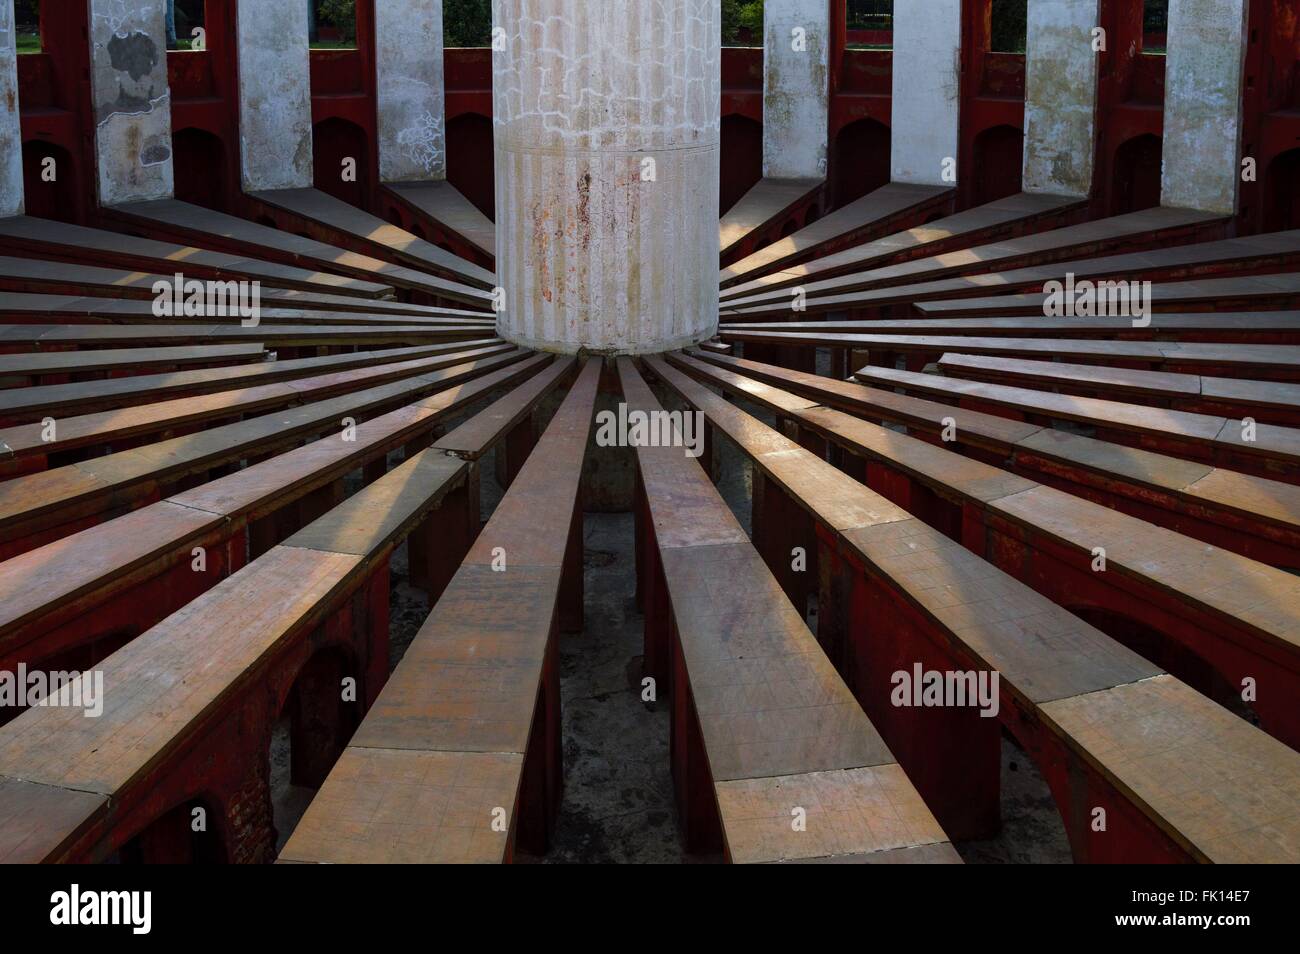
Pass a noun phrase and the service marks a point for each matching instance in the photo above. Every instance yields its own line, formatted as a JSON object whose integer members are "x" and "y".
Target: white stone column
{"x": 796, "y": 88}
{"x": 274, "y": 95}
{"x": 1203, "y": 87}
{"x": 408, "y": 65}
{"x": 926, "y": 91}
{"x": 11, "y": 135}
{"x": 607, "y": 131}
{"x": 1060, "y": 97}
{"x": 128, "y": 86}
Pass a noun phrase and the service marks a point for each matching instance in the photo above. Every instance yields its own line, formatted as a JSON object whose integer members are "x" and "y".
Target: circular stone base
{"x": 564, "y": 347}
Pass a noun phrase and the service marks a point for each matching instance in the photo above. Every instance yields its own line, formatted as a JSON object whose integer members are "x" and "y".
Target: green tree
{"x": 466, "y": 23}
{"x": 739, "y": 16}
{"x": 342, "y": 15}
{"x": 1010, "y": 20}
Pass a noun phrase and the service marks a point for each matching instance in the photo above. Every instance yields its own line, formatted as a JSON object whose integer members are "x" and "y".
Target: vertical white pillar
{"x": 1203, "y": 88}
{"x": 274, "y": 95}
{"x": 1060, "y": 97}
{"x": 607, "y": 119}
{"x": 796, "y": 88}
{"x": 128, "y": 86}
{"x": 11, "y": 135}
{"x": 926, "y": 92}
{"x": 408, "y": 64}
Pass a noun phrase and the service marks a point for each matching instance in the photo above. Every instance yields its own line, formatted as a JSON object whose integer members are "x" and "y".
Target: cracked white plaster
{"x": 926, "y": 107}
{"x": 1060, "y": 97}
{"x": 11, "y": 136}
{"x": 410, "y": 100}
{"x": 132, "y": 101}
{"x": 796, "y": 88}
{"x": 607, "y": 121}
{"x": 275, "y": 138}
{"x": 1201, "y": 166}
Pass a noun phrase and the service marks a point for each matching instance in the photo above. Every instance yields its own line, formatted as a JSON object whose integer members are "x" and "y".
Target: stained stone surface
{"x": 926, "y": 101}
{"x": 408, "y": 67}
{"x": 1060, "y": 96}
{"x": 1201, "y": 168}
{"x": 275, "y": 140}
{"x": 796, "y": 89}
{"x": 607, "y": 133}
{"x": 11, "y": 141}
{"x": 132, "y": 101}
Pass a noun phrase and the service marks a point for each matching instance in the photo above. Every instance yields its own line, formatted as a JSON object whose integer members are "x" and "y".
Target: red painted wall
{"x": 55, "y": 108}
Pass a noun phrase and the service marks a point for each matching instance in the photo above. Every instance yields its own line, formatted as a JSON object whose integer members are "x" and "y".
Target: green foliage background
{"x": 341, "y": 14}
{"x": 467, "y": 23}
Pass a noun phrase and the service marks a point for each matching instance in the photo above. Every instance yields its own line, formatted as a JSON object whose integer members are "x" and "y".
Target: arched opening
{"x": 49, "y": 181}
{"x": 469, "y": 140}
{"x": 1167, "y": 653}
{"x": 998, "y": 163}
{"x": 742, "y": 159}
{"x": 189, "y": 834}
{"x": 200, "y": 171}
{"x": 319, "y": 717}
{"x": 859, "y": 161}
{"x": 339, "y": 151}
{"x": 790, "y": 227}
{"x": 1136, "y": 175}
{"x": 1282, "y": 192}
{"x": 1032, "y": 830}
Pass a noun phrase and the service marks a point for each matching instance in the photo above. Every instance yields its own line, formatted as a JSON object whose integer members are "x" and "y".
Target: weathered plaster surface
{"x": 11, "y": 138}
{"x": 132, "y": 102}
{"x": 926, "y": 90}
{"x": 589, "y": 100}
{"x": 274, "y": 95}
{"x": 408, "y": 64}
{"x": 796, "y": 91}
{"x": 1203, "y": 77}
{"x": 1060, "y": 97}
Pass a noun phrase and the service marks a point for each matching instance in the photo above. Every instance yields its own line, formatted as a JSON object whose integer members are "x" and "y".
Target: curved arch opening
{"x": 49, "y": 181}
{"x": 1282, "y": 192}
{"x": 859, "y": 161}
{"x": 191, "y": 833}
{"x": 1135, "y": 176}
{"x": 340, "y": 152}
{"x": 320, "y": 714}
{"x": 200, "y": 169}
{"x": 469, "y": 139}
{"x": 742, "y": 159}
{"x": 998, "y": 166}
